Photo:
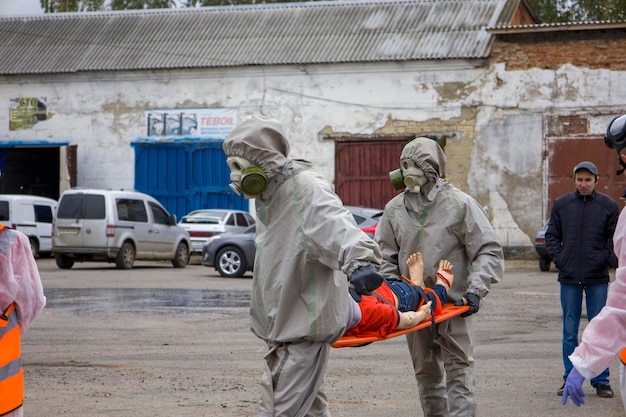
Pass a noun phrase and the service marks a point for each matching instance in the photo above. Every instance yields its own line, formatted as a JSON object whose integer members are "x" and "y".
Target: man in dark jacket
{"x": 580, "y": 241}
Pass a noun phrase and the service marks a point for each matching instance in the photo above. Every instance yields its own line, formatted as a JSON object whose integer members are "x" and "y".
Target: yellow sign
{"x": 26, "y": 112}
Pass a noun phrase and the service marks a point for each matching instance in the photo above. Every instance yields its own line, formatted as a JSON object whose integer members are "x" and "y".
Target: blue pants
{"x": 571, "y": 303}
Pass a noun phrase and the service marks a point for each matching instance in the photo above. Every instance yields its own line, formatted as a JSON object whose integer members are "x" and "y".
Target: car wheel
{"x": 544, "y": 264}
{"x": 181, "y": 258}
{"x": 34, "y": 247}
{"x": 231, "y": 262}
{"x": 64, "y": 262}
{"x": 125, "y": 257}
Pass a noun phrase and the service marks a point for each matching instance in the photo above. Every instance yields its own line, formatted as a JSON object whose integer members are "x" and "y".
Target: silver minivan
{"x": 31, "y": 215}
{"x": 116, "y": 226}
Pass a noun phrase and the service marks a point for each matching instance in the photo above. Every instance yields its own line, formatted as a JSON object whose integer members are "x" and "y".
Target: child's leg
{"x": 445, "y": 276}
{"x": 416, "y": 268}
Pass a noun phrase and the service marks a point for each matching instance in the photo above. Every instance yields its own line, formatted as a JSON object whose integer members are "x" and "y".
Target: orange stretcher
{"x": 447, "y": 311}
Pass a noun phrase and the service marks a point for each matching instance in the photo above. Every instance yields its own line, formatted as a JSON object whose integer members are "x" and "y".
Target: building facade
{"x": 512, "y": 107}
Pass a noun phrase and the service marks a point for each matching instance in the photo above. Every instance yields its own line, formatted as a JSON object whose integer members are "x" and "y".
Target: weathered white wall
{"x": 103, "y": 112}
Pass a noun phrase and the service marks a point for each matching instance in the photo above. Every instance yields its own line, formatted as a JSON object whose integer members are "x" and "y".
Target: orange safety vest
{"x": 622, "y": 356}
{"x": 11, "y": 372}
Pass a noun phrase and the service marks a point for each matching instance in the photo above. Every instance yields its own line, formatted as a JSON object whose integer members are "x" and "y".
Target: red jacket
{"x": 379, "y": 318}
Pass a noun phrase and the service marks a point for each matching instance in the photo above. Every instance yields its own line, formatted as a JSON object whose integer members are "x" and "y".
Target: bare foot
{"x": 416, "y": 268}
{"x": 445, "y": 276}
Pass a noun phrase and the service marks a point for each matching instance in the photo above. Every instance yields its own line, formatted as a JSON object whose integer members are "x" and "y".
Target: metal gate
{"x": 185, "y": 175}
{"x": 362, "y": 171}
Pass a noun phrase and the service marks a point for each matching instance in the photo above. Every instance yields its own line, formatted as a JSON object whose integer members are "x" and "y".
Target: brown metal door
{"x": 362, "y": 171}
{"x": 565, "y": 153}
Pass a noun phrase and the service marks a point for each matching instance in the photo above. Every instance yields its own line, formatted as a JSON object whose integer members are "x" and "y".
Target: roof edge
{"x": 556, "y": 27}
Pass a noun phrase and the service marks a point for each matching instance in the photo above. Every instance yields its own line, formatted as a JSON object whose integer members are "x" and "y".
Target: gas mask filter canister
{"x": 245, "y": 177}
{"x": 409, "y": 176}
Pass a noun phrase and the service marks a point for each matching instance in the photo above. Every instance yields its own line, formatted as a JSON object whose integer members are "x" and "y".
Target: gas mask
{"x": 409, "y": 175}
{"x": 246, "y": 177}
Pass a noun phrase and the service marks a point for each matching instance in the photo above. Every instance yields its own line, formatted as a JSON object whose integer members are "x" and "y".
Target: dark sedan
{"x": 231, "y": 253}
{"x": 540, "y": 247}
{"x": 366, "y": 218}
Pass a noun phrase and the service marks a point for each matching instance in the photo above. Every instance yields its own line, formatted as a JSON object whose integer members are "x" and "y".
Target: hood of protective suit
{"x": 427, "y": 155}
{"x": 260, "y": 141}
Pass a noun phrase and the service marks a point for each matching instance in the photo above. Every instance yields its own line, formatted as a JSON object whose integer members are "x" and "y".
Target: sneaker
{"x": 559, "y": 392}
{"x": 604, "y": 391}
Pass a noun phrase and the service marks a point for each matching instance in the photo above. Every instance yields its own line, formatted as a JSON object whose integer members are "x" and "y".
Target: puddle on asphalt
{"x": 95, "y": 301}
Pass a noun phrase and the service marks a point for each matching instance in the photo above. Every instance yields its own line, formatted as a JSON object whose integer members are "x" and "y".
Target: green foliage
{"x": 203, "y": 3}
{"x": 141, "y": 4}
{"x": 548, "y": 11}
{"x": 568, "y": 11}
{"x": 61, "y": 6}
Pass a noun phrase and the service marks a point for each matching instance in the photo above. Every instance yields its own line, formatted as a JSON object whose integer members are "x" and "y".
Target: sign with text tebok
{"x": 214, "y": 123}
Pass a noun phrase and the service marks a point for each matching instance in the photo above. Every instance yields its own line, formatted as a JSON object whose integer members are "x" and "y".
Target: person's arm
{"x": 388, "y": 244}
{"x": 605, "y": 335}
{"x": 483, "y": 250}
{"x": 328, "y": 228}
{"x": 413, "y": 318}
{"x": 553, "y": 234}
{"x": 29, "y": 298}
{"x": 611, "y": 225}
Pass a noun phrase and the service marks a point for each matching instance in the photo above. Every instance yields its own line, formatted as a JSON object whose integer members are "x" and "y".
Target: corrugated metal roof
{"x": 287, "y": 33}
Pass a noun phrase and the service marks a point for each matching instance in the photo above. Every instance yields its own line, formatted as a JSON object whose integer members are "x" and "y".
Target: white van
{"x": 116, "y": 226}
{"x": 31, "y": 215}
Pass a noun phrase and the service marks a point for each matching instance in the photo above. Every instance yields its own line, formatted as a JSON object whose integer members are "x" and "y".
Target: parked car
{"x": 204, "y": 224}
{"x": 232, "y": 253}
{"x": 31, "y": 215}
{"x": 116, "y": 226}
{"x": 367, "y": 218}
{"x": 540, "y": 247}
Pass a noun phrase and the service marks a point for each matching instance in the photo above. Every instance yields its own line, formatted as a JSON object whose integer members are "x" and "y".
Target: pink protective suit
{"x": 19, "y": 282}
{"x": 605, "y": 335}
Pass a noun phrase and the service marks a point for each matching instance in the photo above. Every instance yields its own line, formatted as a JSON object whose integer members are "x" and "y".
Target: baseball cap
{"x": 589, "y": 166}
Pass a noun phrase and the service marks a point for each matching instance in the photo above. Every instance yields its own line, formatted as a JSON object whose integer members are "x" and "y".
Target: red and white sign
{"x": 213, "y": 123}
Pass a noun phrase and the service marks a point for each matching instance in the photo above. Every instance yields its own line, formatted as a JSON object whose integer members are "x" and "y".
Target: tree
{"x": 547, "y": 11}
{"x": 569, "y": 11}
{"x": 141, "y": 4}
{"x": 61, "y": 6}
{"x": 203, "y": 3}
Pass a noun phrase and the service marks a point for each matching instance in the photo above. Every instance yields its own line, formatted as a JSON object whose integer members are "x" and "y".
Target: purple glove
{"x": 574, "y": 388}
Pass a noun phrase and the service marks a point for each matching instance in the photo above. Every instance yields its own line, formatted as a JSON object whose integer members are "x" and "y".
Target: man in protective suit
{"x": 307, "y": 242}
{"x": 440, "y": 221}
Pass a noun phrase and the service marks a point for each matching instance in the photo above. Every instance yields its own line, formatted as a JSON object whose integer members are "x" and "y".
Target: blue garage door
{"x": 185, "y": 175}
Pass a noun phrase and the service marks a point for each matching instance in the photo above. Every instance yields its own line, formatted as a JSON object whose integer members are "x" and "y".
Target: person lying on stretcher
{"x": 400, "y": 303}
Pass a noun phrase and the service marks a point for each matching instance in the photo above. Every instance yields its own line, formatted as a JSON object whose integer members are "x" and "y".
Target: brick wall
{"x": 595, "y": 49}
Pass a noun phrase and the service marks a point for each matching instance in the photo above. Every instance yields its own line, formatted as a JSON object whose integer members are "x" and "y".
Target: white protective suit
{"x": 19, "y": 283}
{"x": 441, "y": 222}
{"x": 605, "y": 335}
{"x": 305, "y": 238}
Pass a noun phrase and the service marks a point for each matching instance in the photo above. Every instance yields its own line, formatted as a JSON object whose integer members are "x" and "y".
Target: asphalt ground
{"x": 158, "y": 341}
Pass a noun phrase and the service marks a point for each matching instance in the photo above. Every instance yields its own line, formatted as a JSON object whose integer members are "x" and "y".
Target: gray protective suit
{"x": 441, "y": 222}
{"x": 305, "y": 238}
